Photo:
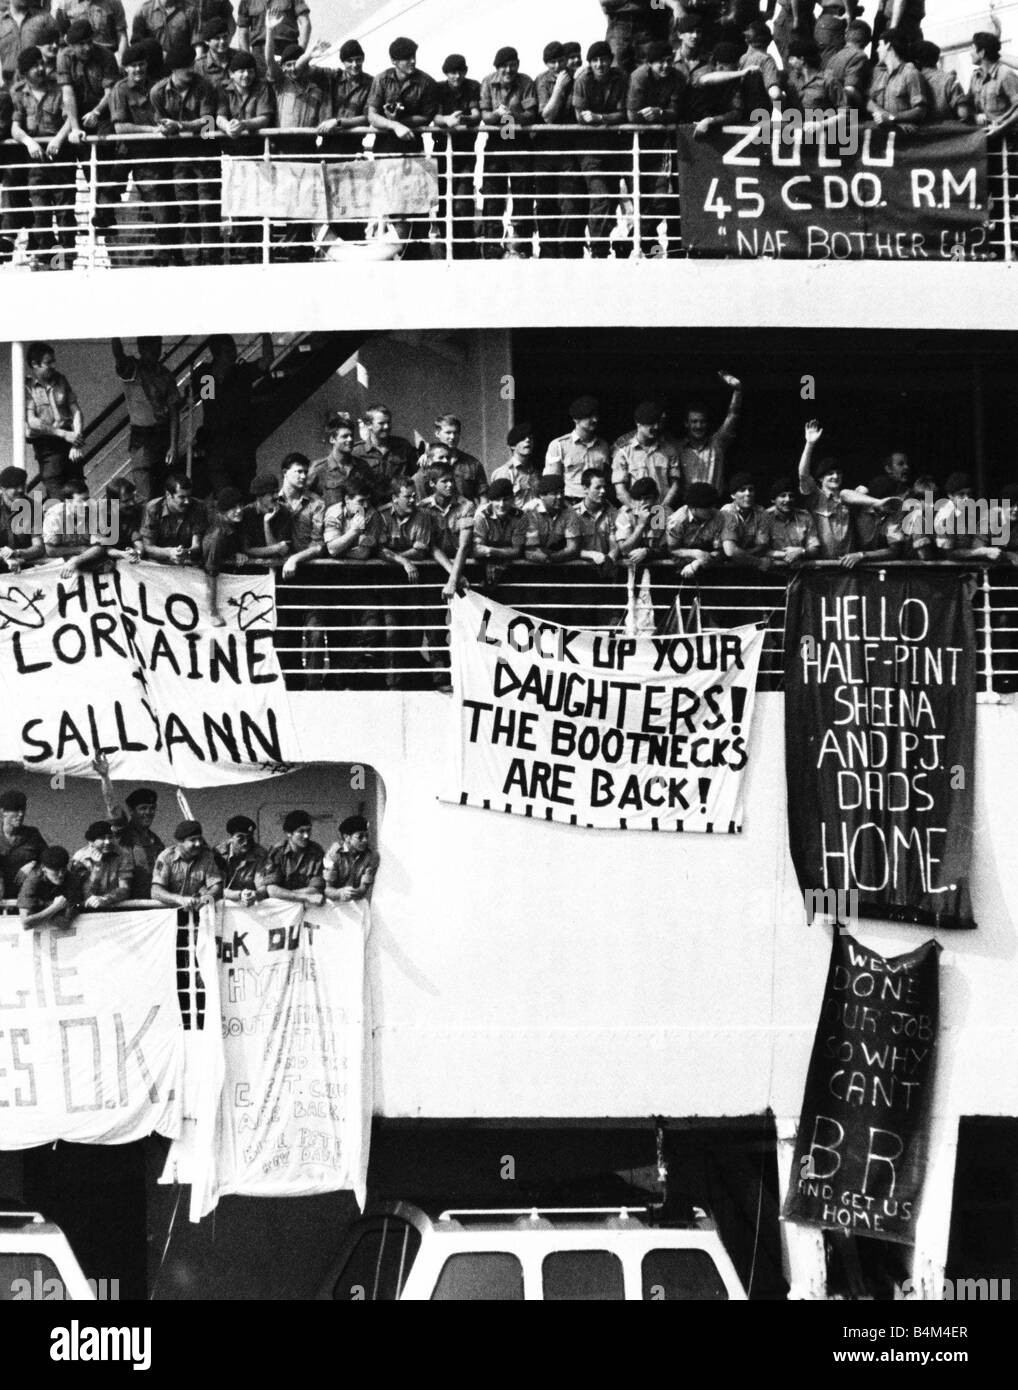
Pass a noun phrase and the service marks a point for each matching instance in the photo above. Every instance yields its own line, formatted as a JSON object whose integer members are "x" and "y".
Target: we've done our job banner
{"x": 129, "y": 665}
{"x": 596, "y": 729}
{"x": 880, "y": 709}
{"x": 783, "y": 191}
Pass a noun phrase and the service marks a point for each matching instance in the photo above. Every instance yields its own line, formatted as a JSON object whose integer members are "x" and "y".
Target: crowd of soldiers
{"x": 123, "y": 859}
{"x": 193, "y": 70}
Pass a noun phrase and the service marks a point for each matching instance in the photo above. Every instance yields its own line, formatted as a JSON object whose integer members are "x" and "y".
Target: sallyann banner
{"x": 860, "y": 1154}
{"x": 596, "y": 729}
{"x": 91, "y": 1039}
{"x": 295, "y": 1113}
{"x": 305, "y": 191}
{"x": 861, "y": 193}
{"x": 880, "y": 708}
{"x": 128, "y": 664}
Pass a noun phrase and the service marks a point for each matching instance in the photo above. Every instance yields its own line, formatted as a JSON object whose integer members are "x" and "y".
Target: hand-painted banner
{"x": 305, "y": 191}
{"x": 880, "y": 742}
{"x": 129, "y": 664}
{"x": 874, "y": 193}
{"x": 597, "y": 729}
{"x": 91, "y": 1038}
{"x": 295, "y": 1113}
{"x": 860, "y": 1155}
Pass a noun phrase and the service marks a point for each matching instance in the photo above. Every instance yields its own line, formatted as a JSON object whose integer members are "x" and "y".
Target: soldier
{"x": 293, "y": 870}
{"x": 242, "y": 861}
{"x": 102, "y": 870}
{"x": 351, "y": 865}
{"x": 187, "y": 874}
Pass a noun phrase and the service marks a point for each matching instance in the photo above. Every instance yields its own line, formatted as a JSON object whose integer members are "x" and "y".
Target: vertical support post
{"x": 637, "y": 213}
{"x": 266, "y": 226}
{"x": 93, "y": 199}
{"x": 988, "y": 636}
{"x": 450, "y": 227}
{"x": 1005, "y": 169}
{"x": 18, "y": 405}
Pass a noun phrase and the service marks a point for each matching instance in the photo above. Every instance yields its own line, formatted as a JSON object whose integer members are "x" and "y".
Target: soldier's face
{"x": 508, "y": 71}
{"x": 448, "y": 434}
{"x": 599, "y": 67}
{"x": 353, "y": 67}
{"x": 342, "y": 440}
{"x": 219, "y": 47}
{"x": 405, "y": 66}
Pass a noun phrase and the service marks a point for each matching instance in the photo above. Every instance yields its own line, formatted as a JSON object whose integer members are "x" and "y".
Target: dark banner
{"x": 860, "y": 1155}
{"x": 875, "y": 193}
{"x": 880, "y": 705}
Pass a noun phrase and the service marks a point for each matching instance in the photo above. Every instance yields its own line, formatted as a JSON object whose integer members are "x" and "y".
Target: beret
{"x": 240, "y": 825}
{"x": 648, "y": 413}
{"x": 13, "y": 477}
{"x": 134, "y": 53}
{"x": 28, "y": 57}
{"x": 240, "y": 60}
{"x": 55, "y": 856}
{"x": 689, "y": 24}
{"x": 550, "y": 482}
{"x": 570, "y": 48}
{"x": 643, "y": 487}
{"x": 99, "y": 829}
{"x": 552, "y": 51}
{"x": 13, "y": 800}
{"x": 584, "y": 407}
{"x": 401, "y": 49}
{"x": 142, "y": 796}
{"x": 524, "y": 430}
{"x": 229, "y": 497}
{"x": 264, "y": 483}
{"x": 781, "y": 485}
{"x": 701, "y": 495}
{"x": 455, "y": 63}
{"x": 294, "y": 820}
{"x": 739, "y": 481}
{"x": 726, "y": 53}
{"x": 601, "y": 49}
{"x": 213, "y": 29}
{"x": 506, "y": 55}
{"x": 350, "y": 49}
{"x": 757, "y": 31}
{"x": 48, "y": 32}
{"x": 181, "y": 55}
{"x": 187, "y": 829}
{"x": 352, "y": 824}
{"x": 80, "y": 32}
{"x": 658, "y": 50}
{"x": 291, "y": 53}
{"x": 500, "y": 488}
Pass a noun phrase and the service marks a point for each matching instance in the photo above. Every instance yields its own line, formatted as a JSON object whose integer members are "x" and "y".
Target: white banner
{"x": 129, "y": 664}
{"x": 313, "y": 191}
{"x": 91, "y": 1039}
{"x": 599, "y": 729}
{"x": 295, "y": 1115}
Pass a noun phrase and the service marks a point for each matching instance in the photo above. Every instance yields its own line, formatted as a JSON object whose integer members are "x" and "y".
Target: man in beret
{"x": 173, "y": 525}
{"x": 596, "y": 518}
{"x": 694, "y": 531}
{"x": 571, "y": 454}
{"x": 133, "y": 827}
{"x": 401, "y": 102}
{"x": 132, "y": 113}
{"x": 266, "y": 526}
{"x": 521, "y": 468}
{"x": 50, "y": 895}
{"x": 655, "y": 98}
{"x": 252, "y": 23}
{"x": 508, "y": 107}
{"x": 351, "y": 865}
{"x": 241, "y": 861}
{"x": 459, "y": 115}
{"x": 185, "y": 107}
{"x": 18, "y": 545}
{"x": 499, "y": 531}
{"x": 647, "y": 454}
{"x": 792, "y": 533}
{"x": 20, "y": 844}
{"x": 53, "y": 417}
{"x": 105, "y": 18}
{"x": 104, "y": 872}
{"x": 20, "y": 28}
{"x": 187, "y": 874}
{"x": 640, "y": 527}
{"x": 702, "y": 454}
{"x": 246, "y": 106}
{"x": 745, "y": 535}
{"x": 553, "y": 530}
{"x": 303, "y": 93}
{"x": 715, "y": 94}
{"x": 559, "y": 188}
{"x": 213, "y": 63}
{"x": 87, "y": 72}
{"x": 40, "y": 125}
{"x": 293, "y": 870}
{"x": 632, "y": 25}
{"x": 223, "y": 544}
{"x": 599, "y": 97}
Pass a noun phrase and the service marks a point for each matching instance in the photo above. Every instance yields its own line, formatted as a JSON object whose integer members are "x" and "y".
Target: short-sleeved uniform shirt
{"x": 251, "y": 16}
{"x": 398, "y": 460}
{"x": 106, "y": 17}
{"x": 797, "y": 529}
{"x": 53, "y": 402}
{"x": 163, "y": 527}
{"x": 519, "y": 96}
{"x": 331, "y": 478}
{"x": 350, "y": 95}
{"x": 605, "y": 98}
{"x": 571, "y": 456}
{"x": 15, "y": 38}
{"x": 187, "y": 877}
{"x": 307, "y": 520}
{"x": 659, "y": 462}
{"x": 150, "y": 389}
{"x": 898, "y": 91}
{"x": 945, "y": 94}
{"x": 544, "y": 85}
{"x": 106, "y": 876}
{"x": 447, "y": 522}
{"x": 293, "y": 869}
{"x": 994, "y": 92}
{"x": 647, "y": 89}
{"x": 190, "y": 103}
{"x": 549, "y": 532}
{"x": 597, "y": 529}
{"x": 37, "y": 892}
{"x": 509, "y": 530}
{"x": 240, "y": 871}
{"x": 835, "y": 524}
{"x": 144, "y": 847}
{"x": 466, "y": 97}
{"x": 815, "y": 93}
{"x": 168, "y": 24}
{"x": 689, "y": 532}
{"x": 302, "y": 105}
{"x": 66, "y": 523}
{"x": 338, "y": 520}
{"x": 90, "y": 77}
{"x": 524, "y": 481}
{"x": 705, "y": 463}
{"x": 131, "y": 105}
{"x": 23, "y": 847}
{"x": 747, "y": 529}
{"x": 653, "y": 536}
{"x": 345, "y": 869}
{"x": 216, "y": 74}
{"x": 415, "y": 95}
{"x": 403, "y": 533}
{"x": 850, "y": 67}
{"x": 257, "y": 100}
{"x": 40, "y": 114}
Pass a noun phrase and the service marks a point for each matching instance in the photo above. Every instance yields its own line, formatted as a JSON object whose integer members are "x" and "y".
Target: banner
{"x": 785, "y": 192}
{"x": 860, "y": 1154}
{"x": 128, "y": 664}
{"x": 319, "y": 191}
{"x": 880, "y": 709}
{"x": 295, "y": 1114}
{"x": 91, "y": 1038}
{"x": 598, "y": 729}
